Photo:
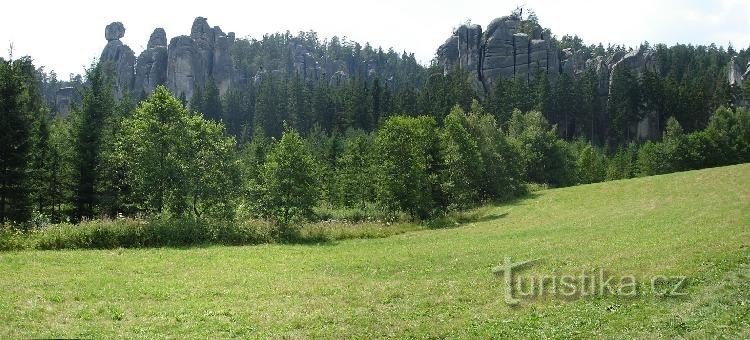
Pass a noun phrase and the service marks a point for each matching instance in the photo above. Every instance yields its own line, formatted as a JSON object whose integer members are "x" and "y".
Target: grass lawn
{"x": 430, "y": 283}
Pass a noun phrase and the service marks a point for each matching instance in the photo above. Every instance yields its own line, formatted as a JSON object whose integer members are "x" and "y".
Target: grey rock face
{"x": 151, "y": 66}
{"x": 151, "y": 70}
{"x": 185, "y": 66}
{"x": 204, "y": 55}
{"x": 639, "y": 62}
{"x": 734, "y": 76}
{"x": 114, "y": 31}
{"x": 447, "y": 54}
{"x": 158, "y": 38}
{"x": 746, "y": 75}
{"x": 305, "y": 64}
{"x": 469, "y": 47}
{"x": 499, "y": 50}
{"x": 339, "y": 78}
{"x": 223, "y": 65}
{"x": 118, "y": 59}
{"x": 502, "y": 51}
{"x": 63, "y": 99}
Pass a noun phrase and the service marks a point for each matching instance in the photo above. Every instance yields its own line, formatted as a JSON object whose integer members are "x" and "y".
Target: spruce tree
{"x": 88, "y": 123}
{"x": 15, "y": 142}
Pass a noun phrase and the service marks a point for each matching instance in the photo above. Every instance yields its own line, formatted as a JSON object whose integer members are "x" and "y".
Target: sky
{"x": 65, "y": 36}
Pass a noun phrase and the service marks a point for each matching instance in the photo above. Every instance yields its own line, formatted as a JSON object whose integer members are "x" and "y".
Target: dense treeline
{"x": 285, "y": 150}
{"x": 689, "y": 85}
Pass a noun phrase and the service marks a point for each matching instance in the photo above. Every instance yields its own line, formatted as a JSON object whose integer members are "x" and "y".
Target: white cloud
{"x": 66, "y": 35}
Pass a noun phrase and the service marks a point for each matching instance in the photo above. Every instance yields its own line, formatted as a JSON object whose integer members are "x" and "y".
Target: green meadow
{"x": 424, "y": 283}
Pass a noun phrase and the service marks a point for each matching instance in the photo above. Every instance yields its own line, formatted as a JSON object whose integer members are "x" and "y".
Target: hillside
{"x": 436, "y": 283}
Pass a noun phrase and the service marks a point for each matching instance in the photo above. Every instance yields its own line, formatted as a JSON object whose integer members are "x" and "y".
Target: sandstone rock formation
{"x": 514, "y": 48}
{"x": 502, "y": 51}
{"x": 151, "y": 66}
{"x": 63, "y": 99}
{"x": 204, "y": 55}
{"x": 114, "y": 31}
{"x": 185, "y": 63}
{"x": 735, "y": 76}
{"x": 118, "y": 59}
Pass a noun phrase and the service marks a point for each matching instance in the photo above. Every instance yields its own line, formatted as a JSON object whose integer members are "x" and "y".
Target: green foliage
{"x": 502, "y": 175}
{"x": 462, "y": 167}
{"x": 87, "y": 126}
{"x": 15, "y": 139}
{"x": 289, "y": 183}
{"x": 728, "y": 133}
{"x": 128, "y": 233}
{"x": 725, "y": 141}
{"x": 354, "y": 171}
{"x": 591, "y": 163}
{"x": 405, "y": 167}
{"x": 114, "y": 177}
{"x": 623, "y": 164}
{"x": 181, "y": 163}
{"x": 544, "y": 158}
{"x": 653, "y": 159}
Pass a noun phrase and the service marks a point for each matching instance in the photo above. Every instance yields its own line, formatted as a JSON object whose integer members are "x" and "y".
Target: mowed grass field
{"x": 431, "y": 283}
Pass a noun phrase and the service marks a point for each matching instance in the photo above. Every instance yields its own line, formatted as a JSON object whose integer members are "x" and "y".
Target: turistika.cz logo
{"x": 586, "y": 284}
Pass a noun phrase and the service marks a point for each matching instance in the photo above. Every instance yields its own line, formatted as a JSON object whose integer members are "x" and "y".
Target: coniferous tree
{"x": 212, "y": 108}
{"x": 15, "y": 141}
{"x": 354, "y": 171}
{"x": 88, "y": 123}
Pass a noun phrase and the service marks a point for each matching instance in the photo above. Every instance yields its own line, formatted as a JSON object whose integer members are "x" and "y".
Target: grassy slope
{"x": 427, "y": 283}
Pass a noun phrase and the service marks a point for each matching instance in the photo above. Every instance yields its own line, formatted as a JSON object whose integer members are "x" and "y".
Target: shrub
{"x": 406, "y": 175}
{"x": 462, "y": 166}
{"x": 289, "y": 183}
{"x": 623, "y": 164}
{"x": 545, "y": 158}
{"x": 591, "y": 163}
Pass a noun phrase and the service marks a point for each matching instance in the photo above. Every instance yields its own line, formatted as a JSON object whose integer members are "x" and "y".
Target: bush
{"x": 591, "y": 163}
{"x": 129, "y": 233}
{"x": 654, "y": 159}
{"x": 545, "y": 158}
{"x": 289, "y": 182}
{"x": 623, "y": 164}
{"x": 406, "y": 157}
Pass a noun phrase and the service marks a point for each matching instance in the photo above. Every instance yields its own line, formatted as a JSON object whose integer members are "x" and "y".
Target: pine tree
{"x": 15, "y": 141}
{"x": 88, "y": 124}
{"x": 212, "y": 108}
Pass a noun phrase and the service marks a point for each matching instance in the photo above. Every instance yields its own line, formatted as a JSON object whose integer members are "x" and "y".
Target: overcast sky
{"x": 66, "y": 35}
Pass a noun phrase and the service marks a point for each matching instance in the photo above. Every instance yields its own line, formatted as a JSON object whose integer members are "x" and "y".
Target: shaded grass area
{"x": 430, "y": 283}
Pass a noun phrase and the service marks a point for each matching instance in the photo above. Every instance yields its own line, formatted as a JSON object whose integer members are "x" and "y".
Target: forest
{"x": 415, "y": 145}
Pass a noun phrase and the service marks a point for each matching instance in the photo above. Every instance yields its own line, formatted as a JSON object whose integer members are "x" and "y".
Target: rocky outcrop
{"x": 63, "y": 99}
{"x": 203, "y": 56}
{"x": 304, "y": 63}
{"x": 119, "y": 60}
{"x": 114, "y": 31}
{"x": 185, "y": 66}
{"x": 151, "y": 66}
{"x": 514, "y": 48}
{"x": 157, "y": 39}
{"x": 734, "y": 75}
{"x": 502, "y": 51}
{"x": 185, "y": 63}
{"x": 637, "y": 63}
